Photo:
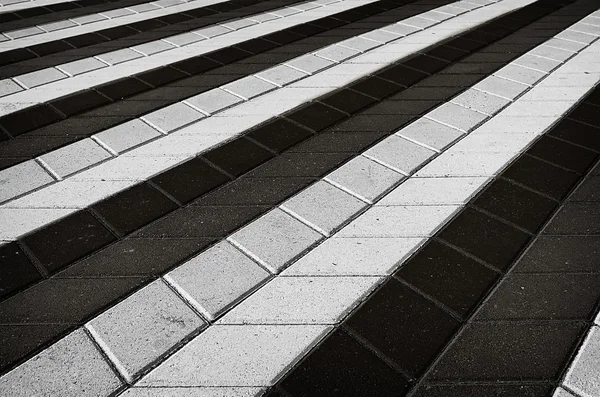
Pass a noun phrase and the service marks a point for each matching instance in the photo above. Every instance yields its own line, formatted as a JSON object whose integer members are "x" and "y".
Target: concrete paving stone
{"x": 239, "y": 23}
{"x": 193, "y": 392}
{"x": 260, "y": 18}
{"x": 75, "y": 157}
{"x": 8, "y": 87}
{"x": 275, "y": 239}
{"x": 70, "y": 367}
{"x": 118, "y": 13}
{"x": 381, "y": 36}
{"x": 359, "y": 44}
{"x": 520, "y": 74}
{"x": 26, "y": 32}
{"x": 82, "y": 66}
{"x": 485, "y": 141}
{"x": 40, "y": 77}
{"x": 22, "y": 178}
{"x": 179, "y": 145}
{"x": 586, "y": 28}
{"x": 543, "y": 94}
{"x": 560, "y": 392}
{"x": 249, "y": 87}
{"x": 309, "y": 63}
{"x": 400, "y": 154}
{"x": 501, "y": 87}
{"x": 127, "y": 135}
{"x": 324, "y": 206}
{"x": 306, "y": 6}
{"x": 565, "y": 44}
{"x": 430, "y": 133}
{"x": 173, "y": 117}
{"x": 212, "y": 31}
{"x": 91, "y": 18}
{"x": 481, "y": 101}
{"x": 232, "y": 355}
{"x": 125, "y": 168}
{"x": 527, "y": 124}
{"x": 19, "y": 221}
{"x": 184, "y": 39}
{"x": 285, "y": 12}
{"x": 336, "y": 53}
{"x": 462, "y": 164}
{"x": 578, "y": 37}
{"x": 433, "y": 191}
{"x": 583, "y": 376}
{"x": 365, "y": 178}
{"x": 143, "y": 327}
{"x": 119, "y": 56}
{"x": 341, "y": 256}
{"x": 213, "y": 101}
{"x": 419, "y": 22}
{"x": 299, "y": 300}
{"x": 457, "y": 116}
{"x": 145, "y": 7}
{"x": 399, "y": 221}
{"x": 281, "y": 75}
{"x": 535, "y": 62}
{"x": 153, "y": 47}
{"x": 216, "y": 279}
{"x": 453, "y": 9}
{"x": 523, "y": 108}
{"x": 50, "y": 27}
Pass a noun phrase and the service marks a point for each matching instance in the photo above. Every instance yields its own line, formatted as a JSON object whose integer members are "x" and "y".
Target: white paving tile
{"x": 119, "y": 56}
{"x": 481, "y": 101}
{"x": 460, "y": 164}
{"x": 336, "y": 53}
{"x": 433, "y": 191}
{"x": 239, "y": 23}
{"x": 70, "y": 367}
{"x": 143, "y": 327}
{"x": 127, "y": 135}
{"x": 91, "y": 18}
{"x": 381, "y": 36}
{"x": 400, "y": 154}
{"x": 50, "y": 27}
{"x": 26, "y": 32}
{"x": 75, "y": 157}
{"x": 354, "y": 256}
{"x": 323, "y": 206}
{"x": 249, "y": 87}
{"x": 309, "y": 63}
{"x": 399, "y": 221}
{"x": 173, "y": 117}
{"x": 520, "y": 74}
{"x": 538, "y": 63}
{"x": 232, "y": 355}
{"x": 577, "y": 37}
{"x": 299, "y": 300}
{"x": 193, "y": 392}
{"x": 553, "y": 53}
{"x": 275, "y": 239}
{"x": 502, "y": 87}
{"x": 216, "y": 279}
{"x": 419, "y": 22}
{"x": 212, "y": 31}
{"x": 213, "y": 101}
{"x": 281, "y": 75}
{"x": 430, "y": 133}
{"x": 359, "y": 44}
{"x": 457, "y": 116}
{"x": 22, "y": 178}
{"x": 82, "y": 66}
{"x": 524, "y": 108}
{"x": 40, "y": 77}
{"x": 583, "y": 376}
{"x": 364, "y": 178}
{"x": 184, "y": 39}
{"x": 153, "y": 47}
{"x": 400, "y": 29}
{"x": 119, "y": 12}
{"x": 145, "y": 7}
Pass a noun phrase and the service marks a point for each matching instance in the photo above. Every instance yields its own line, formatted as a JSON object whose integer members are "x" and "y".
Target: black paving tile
{"x": 448, "y": 276}
{"x": 485, "y": 237}
{"x": 559, "y": 254}
{"x": 118, "y": 32}
{"x": 29, "y": 119}
{"x": 85, "y": 40}
{"x": 256, "y": 46}
{"x": 414, "y": 107}
{"x": 161, "y": 76}
{"x": 255, "y": 191}
{"x": 79, "y": 102}
{"x": 403, "y": 326}
{"x": 316, "y": 116}
{"x": 543, "y": 296}
{"x": 368, "y": 123}
{"x": 210, "y": 221}
{"x": 68, "y": 301}
{"x": 589, "y": 190}
{"x": 26, "y": 147}
{"x": 544, "y": 177}
{"x": 483, "y": 390}
{"x": 50, "y": 48}
{"x": 283, "y": 37}
{"x": 228, "y": 55}
{"x": 133, "y": 208}
{"x": 593, "y": 97}
{"x": 467, "y": 44}
{"x": 136, "y": 257}
{"x": 348, "y": 101}
{"x": 16, "y": 55}
{"x": 189, "y": 180}
{"x": 376, "y": 87}
{"x": 148, "y": 24}
{"x": 16, "y": 270}
{"x": 238, "y": 156}
{"x": 279, "y": 134}
{"x": 196, "y": 65}
{"x": 300, "y": 165}
{"x": 19, "y": 340}
{"x": 578, "y": 133}
{"x": 123, "y": 88}
{"x": 79, "y": 125}
{"x": 563, "y": 153}
{"x": 446, "y": 53}
{"x": 342, "y": 367}
{"x": 402, "y": 75}
{"x": 515, "y": 204}
{"x": 426, "y": 64}
{"x": 425, "y": 93}
{"x": 473, "y": 68}
{"x": 512, "y": 350}
{"x": 576, "y": 218}
{"x": 343, "y": 142}
{"x": 587, "y": 113}
{"x": 67, "y": 240}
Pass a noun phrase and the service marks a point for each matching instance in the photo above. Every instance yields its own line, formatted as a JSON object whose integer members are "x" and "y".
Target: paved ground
{"x": 300, "y": 198}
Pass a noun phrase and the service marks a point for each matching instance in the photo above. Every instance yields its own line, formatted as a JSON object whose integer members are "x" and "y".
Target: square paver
{"x": 431, "y": 133}
{"x": 400, "y": 29}
{"x": 481, "y": 101}
{"x": 352, "y": 256}
{"x": 50, "y": 27}
{"x": 337, "y": 53}
{"x": 434, "y": 191}
{"x": 309, "y": 63}
{"x": 552, "y": 52}
{"x": 22, "y": 178}
{"x": 281, "y": 75}
{"x": 82, "y": 66}
{"x": 75, "y": 157}
{"x": 73, "y": 366}
{"x": 213, "y": 31}
{"x": 127, "y": 135}
{"x": 213, "y": 101}
{"x": 461, "y": 164}
{"x": 26, "y": 32}
{"x": 324, "y": 206}
{"x": 7, "y": 87}
{"x": 40, "y": 77}
{"x": 407, "y": 221}
{"x": 501, "y": 87}
{"x": 217, "y": 278}
{"x": 538, "y": 63}
{"x": 275, "y": 239}
{"x": 365, "y": 178}
{"x": 91, "y": 18}
{"x": 359, "y": 44}
{"x": 400, "y": 154}
{"x": 153, "y": 47}
{"x": 173, "y": 117}
{"x": 299, "y": 300}
{"x": 520, "y": 74}
{"x": 184, "y": 39}
{"x": 249, "y": 87}
{"x": 457, "y": 116}
{"x": 143, "y": 327}
{"x": 119, "y": 56}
